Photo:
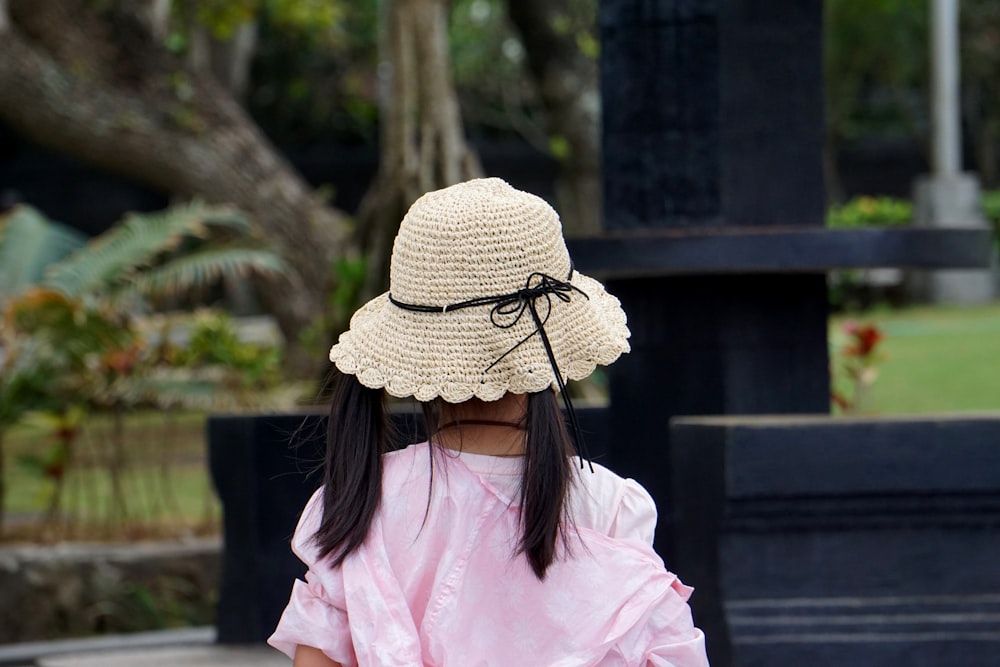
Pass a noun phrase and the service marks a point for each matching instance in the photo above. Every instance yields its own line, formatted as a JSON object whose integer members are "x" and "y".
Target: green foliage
{"x": 349, "y": 279}
{"x": 327, "y": 85}
{"x": 848, "y": 289}
{"x": 113, "y": 262}
{"x": 203, "y": 268}
{"x": 309, "y": 17}
{"x": 65, "y": 358}
{"x": 559, "y": 147}
{"x": 870, "y": 212}
{"x": 350, "y": 276}
{"x": 482, "y": 40}
{"x": 70, "y": 340}
{"x": 991, "y": 207}
{"x": 29, "y": 243}
{"x": 223, "y": 17}
{"x": 877, "y": 72}
{"x": 59, "y": 351}
{"x": 588, "y": 44}
{"x": 491, "y": 72}
{"x": 214, "y": 343}
{"x": 875, "y": 54}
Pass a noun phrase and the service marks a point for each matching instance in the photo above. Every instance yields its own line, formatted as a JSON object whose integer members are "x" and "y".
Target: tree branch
{"x": 4, "y": 17}
{"x": 180, "y": 132}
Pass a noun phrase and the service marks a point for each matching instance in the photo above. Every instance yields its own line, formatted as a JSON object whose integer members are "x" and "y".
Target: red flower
{"x": 866, "y": 338}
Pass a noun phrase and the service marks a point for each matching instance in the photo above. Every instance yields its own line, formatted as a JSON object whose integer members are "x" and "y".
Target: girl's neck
{"x": 495, "y": 428}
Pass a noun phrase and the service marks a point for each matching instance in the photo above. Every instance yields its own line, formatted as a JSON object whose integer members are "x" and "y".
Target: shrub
{"x": 870, "y": 212}
{"x": 69, "y": 335}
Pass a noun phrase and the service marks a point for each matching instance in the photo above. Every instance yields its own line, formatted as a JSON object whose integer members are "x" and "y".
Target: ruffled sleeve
{"x": 636, "y": 516}
{"x": 666, "y": 636}
{"x": 316, "y": 613}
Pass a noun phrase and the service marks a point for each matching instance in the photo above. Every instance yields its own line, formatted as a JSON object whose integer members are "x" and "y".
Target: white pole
{"x": 946, "y": 129}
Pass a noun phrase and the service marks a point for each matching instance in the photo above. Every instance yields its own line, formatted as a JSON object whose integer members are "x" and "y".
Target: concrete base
{"x": 944, "y": 202}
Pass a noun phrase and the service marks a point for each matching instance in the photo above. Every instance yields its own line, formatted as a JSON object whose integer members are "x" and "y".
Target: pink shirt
{"x": 442, "y": 585}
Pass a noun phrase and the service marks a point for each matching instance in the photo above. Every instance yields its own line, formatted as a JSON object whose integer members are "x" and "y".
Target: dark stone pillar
{"x": 713, "y": 113}
{"x": 263, "y": 483}
{"x": 713, "y": 117}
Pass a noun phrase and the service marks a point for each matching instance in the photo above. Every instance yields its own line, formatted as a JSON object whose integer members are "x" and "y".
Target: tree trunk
{"x": 94, "y": 84}
{"x": 567, "y": 84}
{"x": 423, "y": 145}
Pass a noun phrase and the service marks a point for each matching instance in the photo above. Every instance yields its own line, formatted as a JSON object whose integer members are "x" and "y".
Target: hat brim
{"x": 462, "y": 354}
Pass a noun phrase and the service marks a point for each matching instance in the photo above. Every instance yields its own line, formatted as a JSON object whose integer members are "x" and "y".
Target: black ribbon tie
{"x": 507, "y": 311}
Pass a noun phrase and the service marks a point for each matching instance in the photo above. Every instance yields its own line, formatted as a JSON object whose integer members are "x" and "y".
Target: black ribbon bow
{"x": 507, "y": 312}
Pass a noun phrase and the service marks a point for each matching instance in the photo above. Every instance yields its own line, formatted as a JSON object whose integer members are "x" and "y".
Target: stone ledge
{"x": 83, "y": 590}
{"x": 743, "y": 250}
{"x": 810, "y": 456}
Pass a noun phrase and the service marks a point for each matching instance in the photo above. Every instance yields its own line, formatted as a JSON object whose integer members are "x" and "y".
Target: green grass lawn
{"x": 164, "y": 479}
{"x": 935, "y": 359}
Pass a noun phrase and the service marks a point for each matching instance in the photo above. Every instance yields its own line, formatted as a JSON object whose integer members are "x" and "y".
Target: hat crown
{"x": 475, "y": 239}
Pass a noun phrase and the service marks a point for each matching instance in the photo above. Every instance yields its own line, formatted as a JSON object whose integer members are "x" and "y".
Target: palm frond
{"x": 30, "y": 242}
{"x": 202, "y": 268}
{"x": 135, "y": 243}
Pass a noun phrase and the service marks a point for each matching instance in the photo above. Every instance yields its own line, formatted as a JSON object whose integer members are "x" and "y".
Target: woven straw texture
{"x": 478, "y": 239}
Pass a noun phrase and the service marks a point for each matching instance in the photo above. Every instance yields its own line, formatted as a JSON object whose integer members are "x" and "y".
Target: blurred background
{"x": 196, "y": 195}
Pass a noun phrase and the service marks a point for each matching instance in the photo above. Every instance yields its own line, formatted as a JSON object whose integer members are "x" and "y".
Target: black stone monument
{"x": 714, "y": 214}
{"x": 714, "y": 241}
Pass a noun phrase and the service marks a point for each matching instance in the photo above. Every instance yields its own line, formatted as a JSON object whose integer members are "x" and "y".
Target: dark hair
{"x": 545, "y": 481}
{"x": 356, "y": 438}
{"x": 358, "y": 435}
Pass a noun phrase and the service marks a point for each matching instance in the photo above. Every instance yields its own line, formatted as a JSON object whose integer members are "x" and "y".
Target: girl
{"x": 492, "y": 543}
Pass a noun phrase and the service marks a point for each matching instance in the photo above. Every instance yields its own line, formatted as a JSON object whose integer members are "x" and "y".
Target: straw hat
{"x": 468, "y": 264}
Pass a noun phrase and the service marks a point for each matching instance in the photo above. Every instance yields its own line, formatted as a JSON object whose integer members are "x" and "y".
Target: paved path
{"x": 183, "y": 647}
{"x": 197, "y": 656}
